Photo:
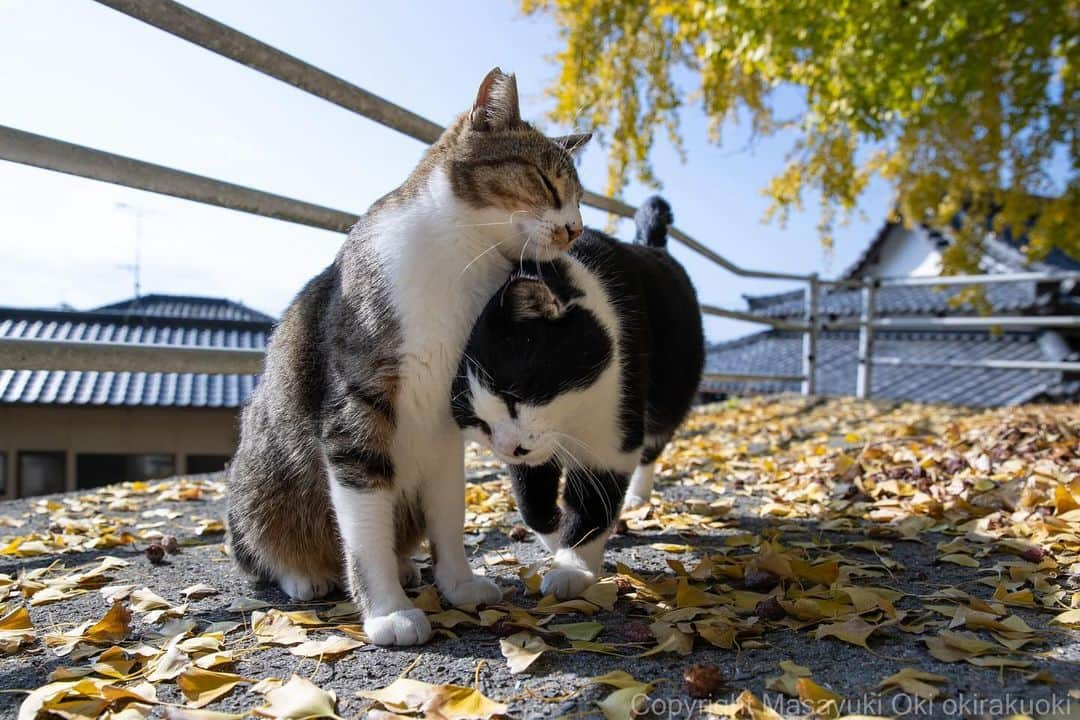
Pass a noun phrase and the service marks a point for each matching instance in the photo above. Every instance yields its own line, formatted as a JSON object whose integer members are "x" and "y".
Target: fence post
{"x": 864, "y": 377}
{"x": 810, "y": 337}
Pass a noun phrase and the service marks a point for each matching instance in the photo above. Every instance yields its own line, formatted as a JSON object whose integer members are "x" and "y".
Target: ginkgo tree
{"x": 970, "y": 110}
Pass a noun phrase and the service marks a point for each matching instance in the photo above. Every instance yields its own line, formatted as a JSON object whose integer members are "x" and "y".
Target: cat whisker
{"x": 510, "y": 221}
{"x": 600, "y": 486}
{"x": 568, "y": 436}
{"x": 473, "y": 261}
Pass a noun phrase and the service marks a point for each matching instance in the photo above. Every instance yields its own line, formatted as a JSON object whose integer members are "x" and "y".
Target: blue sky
{"x": 78, "y": 71}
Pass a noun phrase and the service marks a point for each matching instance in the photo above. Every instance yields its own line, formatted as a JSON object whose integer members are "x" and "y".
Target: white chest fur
{"x": 434, "y": 254}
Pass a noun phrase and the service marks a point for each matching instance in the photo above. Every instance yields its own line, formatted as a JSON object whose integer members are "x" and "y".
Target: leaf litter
{"x": 993, "y": 495}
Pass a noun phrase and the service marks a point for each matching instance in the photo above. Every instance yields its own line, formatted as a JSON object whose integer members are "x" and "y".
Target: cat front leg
{"x": 444, "y": 515}
{"x": 592, "y": 500}
{"x": 536, "y": 491}
{"x": 365, "y": 506}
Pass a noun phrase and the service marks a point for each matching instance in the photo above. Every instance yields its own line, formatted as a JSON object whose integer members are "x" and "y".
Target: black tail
{"x": 653, "y": 219}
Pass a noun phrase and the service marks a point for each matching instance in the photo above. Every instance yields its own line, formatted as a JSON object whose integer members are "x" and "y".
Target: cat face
{"x": 532, "y": 356}
{"x": 516, "y": 180}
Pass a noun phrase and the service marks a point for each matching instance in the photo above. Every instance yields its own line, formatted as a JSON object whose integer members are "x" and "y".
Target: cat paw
{"x": 303, "y": 588}
{"x": 401, "y": 627}
{"x": 634, "y": 501}
{"x": 565, "y": 583}
{"x": 478, "y": 590}
{"x": 407, "y": 572}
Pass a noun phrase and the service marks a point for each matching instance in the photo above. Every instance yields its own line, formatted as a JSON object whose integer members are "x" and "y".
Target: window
{"x": 41, "y": 473}
{"x": 198, "y": 464}
{"x": 97, "y": 469}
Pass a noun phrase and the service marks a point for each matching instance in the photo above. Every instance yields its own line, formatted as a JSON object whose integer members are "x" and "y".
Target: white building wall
{"x": 907, "y": 252}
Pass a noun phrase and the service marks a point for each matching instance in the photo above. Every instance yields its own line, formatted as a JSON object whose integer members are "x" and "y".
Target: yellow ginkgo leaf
{"x": 603, "y": 593}
{"x": 854, "y": 631}
{"x": 201, "y": 590}
{"x": 822, "y": 702}
{"x": 452, "y": 702}
{"x": 625, "y": 703}
{"x": 275, "y": 627}
{"x": 915, "y": 682}
{"x": 145, "y": 600}
{"x": 521, "y": 650}
{"x": 616, "y": 678}
{"x": 786, "y": 683}
{"x": 746, "y": 707}
{"x": 183, "y": 713}
{"x": 1070, "y": 618}
{"x": 15, "y": 629}
{"x": 112, "y": 628}
{"x": 960, "y": 559}
{"x": 586, "y": 631}
{"x": 299, "y": 698}
{"x": 201, "y": 687}
{"x": 332, "y": 645}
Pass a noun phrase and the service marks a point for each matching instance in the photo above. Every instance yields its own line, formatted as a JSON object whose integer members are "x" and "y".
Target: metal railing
{"x": 869, "y": 322}
{"x": 172, "y": 17}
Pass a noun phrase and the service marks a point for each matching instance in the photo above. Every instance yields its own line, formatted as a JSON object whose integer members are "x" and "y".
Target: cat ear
{"x": 530, "y": 299}
{"x": 496, "y": 106}
{"x": 572, "y": 143}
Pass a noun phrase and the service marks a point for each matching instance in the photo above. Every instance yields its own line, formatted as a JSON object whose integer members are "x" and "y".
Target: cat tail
{"x": 653, "y": 219}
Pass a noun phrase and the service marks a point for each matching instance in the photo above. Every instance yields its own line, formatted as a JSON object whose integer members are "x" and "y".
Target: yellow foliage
{"x": 959, "y": 105}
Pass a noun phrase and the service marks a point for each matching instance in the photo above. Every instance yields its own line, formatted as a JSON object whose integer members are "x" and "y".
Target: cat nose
{"x": 520, "y": 451}
{"x": 573, "y": 231}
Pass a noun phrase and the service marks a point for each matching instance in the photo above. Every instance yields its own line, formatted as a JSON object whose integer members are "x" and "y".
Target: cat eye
{"x": 550, "y": 188}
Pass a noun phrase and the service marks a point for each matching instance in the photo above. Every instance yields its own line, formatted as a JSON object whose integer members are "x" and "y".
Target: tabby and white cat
{"x": 348, "y": 451}
{"x": 585, "y": 364}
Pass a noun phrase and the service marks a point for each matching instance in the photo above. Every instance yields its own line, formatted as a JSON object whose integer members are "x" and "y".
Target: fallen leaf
{"x": 112, "y": 628}
{"x": 821, "y": 702}
{"x": 451, "y": 702}
{"x": 195, "y": 592}
{"x": 299, "y": 698}
{"x": 202, "y": 687}
{"x": 329, "y": 646}
{"x": 915, "y": 682}
{"x": 521, "y": 650}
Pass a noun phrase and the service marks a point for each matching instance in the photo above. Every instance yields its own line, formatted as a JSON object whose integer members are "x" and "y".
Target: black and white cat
{"x": 585, "y": 364}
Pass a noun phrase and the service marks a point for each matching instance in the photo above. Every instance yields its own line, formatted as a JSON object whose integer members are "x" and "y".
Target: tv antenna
{"x": 135, "y": 268}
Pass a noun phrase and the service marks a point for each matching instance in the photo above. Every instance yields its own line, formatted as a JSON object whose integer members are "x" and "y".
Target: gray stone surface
{"x": 851, "y": 671}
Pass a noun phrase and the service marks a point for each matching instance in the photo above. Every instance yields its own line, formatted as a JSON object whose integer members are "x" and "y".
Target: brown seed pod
{"x": 770, "y": 609}
{"x": 518, "y": 533}
{"x": 170, "y": 544}
{"x": 760, "y": 580}
{"x": 1033, "y": 554}
{"x": 636, "y": 632}
{"x": 621, "y": 528}
{"x": 702, "y": 681}
{"x": 155, "y": 553}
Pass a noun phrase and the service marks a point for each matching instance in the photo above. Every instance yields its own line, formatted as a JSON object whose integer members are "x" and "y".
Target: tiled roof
{"x": 154, "y": 319}
{"x": 1004, "y": 298}
{"x": 187, "y": 307}
{"x": 1001, "y": 253}
{"x": 778, "y": 352}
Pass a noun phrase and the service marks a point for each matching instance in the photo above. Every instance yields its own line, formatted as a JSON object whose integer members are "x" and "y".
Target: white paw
{"x": 565, "y": 583}
{"x": 634, "y": 501}
{"x": 407, "y": 572}
{"x": 304, "y": 588}
{"x": 478, "y": 590}
{"x": 401, "y": 627}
